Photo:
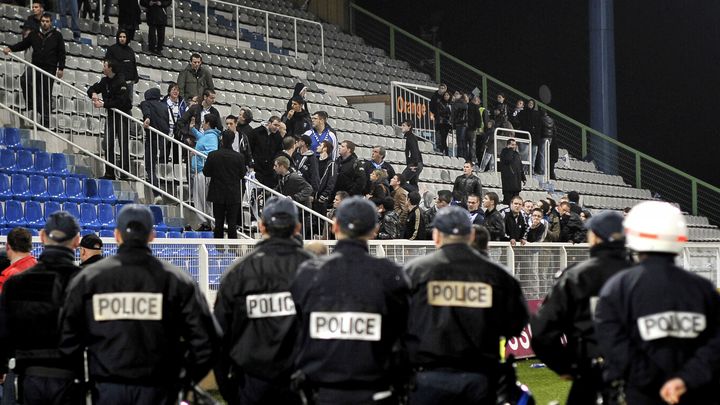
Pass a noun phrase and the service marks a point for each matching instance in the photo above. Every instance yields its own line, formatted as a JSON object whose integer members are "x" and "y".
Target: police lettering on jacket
{"x": 127, "y": 306}
{"x": 270, "y": 305}
{"x": 676, "y": 324}
{"x": 345, "y": 325}
{"x": 459, "y": 294}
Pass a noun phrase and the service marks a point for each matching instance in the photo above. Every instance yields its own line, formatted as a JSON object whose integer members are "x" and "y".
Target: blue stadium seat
{"x": 72, "y": 209}
{"x": 42, "y": 163}
{"x": 38, "y": 188}
{"x": 106, "y": 193}
{"x": 5, "y": 191}
{"x": 90, "y": 190}
{"x": 160, "y": 234}
{"x": 173, "y": 234}
{"x": 12, "y": 138}
{"x": 206, "y": 235}
{"x": 34, "y": 215}
{"x": 191, "y": 234}
{"x": 23, "y": 162}
{"x": 2, "y": 216}
{"x": 105, "y": 216}
{"x": 51, "y": 207}
{"x": 7, "y": 160}
{"x": 106, "y": 233}
{"x": 14, "y": 215}
{"x": 20, "y": 187}
{"x": 158, "y": 217}
{"x": 73, "y": 190}
{"x": 56, "y": 189}
{"x": 86, "y": 231}
{"x": 88, "y": 216}
{"x": 58, "y": 164}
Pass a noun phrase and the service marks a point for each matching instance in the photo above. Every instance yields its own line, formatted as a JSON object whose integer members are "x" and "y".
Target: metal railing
{"x": 637, "y": 168}
{"x": 524, "y": 143}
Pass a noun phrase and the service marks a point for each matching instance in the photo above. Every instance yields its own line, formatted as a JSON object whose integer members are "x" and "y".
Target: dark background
{"x": 666, "y": 60}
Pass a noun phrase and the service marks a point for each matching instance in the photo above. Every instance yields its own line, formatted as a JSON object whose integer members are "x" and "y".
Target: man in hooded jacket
{"x": 124, "y": 58}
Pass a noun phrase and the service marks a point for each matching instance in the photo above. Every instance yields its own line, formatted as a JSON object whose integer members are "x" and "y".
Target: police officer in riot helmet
{"x": 657, "y": 324}
{"x": 142, "y": 321}
{"x": 568, "y": 310}
{"x": 352, "y": 309}
{"x": 461, "y": 304}
{"x": 257, "y": 313}
{"x": 31, "y": 302}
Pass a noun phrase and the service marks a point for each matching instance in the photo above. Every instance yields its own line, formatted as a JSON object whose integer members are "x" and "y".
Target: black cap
{"x": 605, "y": 224}
{"x": 91, "y": 241}
{"x": 280, "y": 211}
{"x": 61, "y": 226}
{"x": 135, "y": 221}
{"x": 356, "y": 215}
{"x": 306, "y": 139}
{"x": 452, "y": 220}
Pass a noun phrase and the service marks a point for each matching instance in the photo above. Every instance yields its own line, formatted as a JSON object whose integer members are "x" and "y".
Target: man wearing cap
{"x": 306, "y": 162}
{"x": 142, "y": 321}
{"x": 31, "y": 303}
{"x": 569, "y": 310}
{"x": 461, "y": 304}
{"x": 257, "y": 313}
{"x": 352, "y": 309}
{"x": 90, "y": 250}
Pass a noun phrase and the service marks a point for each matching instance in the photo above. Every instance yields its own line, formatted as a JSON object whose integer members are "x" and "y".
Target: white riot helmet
{"x": 654, "y": 226}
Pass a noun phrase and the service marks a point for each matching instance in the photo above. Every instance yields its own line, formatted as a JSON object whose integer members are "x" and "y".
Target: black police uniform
{"x": 257, "y": 314}
{"x": 462, "y": 303}
{"x": 31, "y": 302}
{"x": 657, "y": 321}
{"x": 142, "y": 320}
{"x": 568, "y": 310}
{"x": 352, "y": 309}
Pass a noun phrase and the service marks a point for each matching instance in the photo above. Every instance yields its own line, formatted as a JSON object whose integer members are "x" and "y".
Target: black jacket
{"x": 48, "y": 49}
{"x": 457, "y": 331}
{"x": 572, "y": 228}
{"x": 226, "y": 169}
{"x": 156, "y": 110}
{"x": 114, "y": 92}
{"x": 466, "y": 185}
{"x": 515, "y": 227}
{"x": 379, "y": 190}
{"x": 326, "y": 188}
{"x": 350, "y": 175}
{"x": 242, "y": 144}
{"x": 568, "y": 310}
{"x": 307, "y": 166}
{"x": 178, "y": 330}
{"x": 413, "y": 157}
{"x": 195, "y": 110}
{"x": 511, "y": 170}
{"x": 295, "y": 187}
{"x": 349, "y": 283}
{"x": 495, "y": 224}
{"x": 298, "y": 124}
{"x": 475, "y": 119}
{"x": 91, "y": 260}
{"x": 124, "y": 58}
{"x": 31, "y": 304}
{"x": 156, "y": 15}
{"x": 548, "y": 127}
{"x": 128, "y": 14}
{"x": 415, "y": 225}
{"x": 265, "y": 146}
{"x": 258, "y": 339}
{"x": 370, "y": 166}
{"x": 530, "y": 121}
{"x": 656, "y": 321}
{"x": 459, "y": 114}
{"x": 391, "y": 226}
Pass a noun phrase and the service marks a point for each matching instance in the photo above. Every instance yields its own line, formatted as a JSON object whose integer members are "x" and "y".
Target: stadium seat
{"x": 90, "y": 191}
{"x": 12, "y": 138}
{"x": 34, "y": 215}
{"x": 23, "y": 162}
{"x": 73, "y": 190}
{"x": 55, "y": 189}
{"x": 50, "y": 207}
{"x": 173, "y": 234}
{"x": 7, "y": 160}
{"x": 72, "y": 209}
{"x": 158, "y": 217}
{"x": 14, "y": 215}
{"x": 86, "y": 231}
{"x": 58, "y": 164}
{"x": 2, "y": 216}
{"x": 42, "y": 163}
{"x": 20, "y": 187}
{"x": 191, "y": 234}
{"x": 105, "y": 216}
{"x": 38, "y": 188}
{"x": 5, "y": 191}
{"x": 106, "y": 193}
{"x": 207, "y": 235}
{"x": 105, "y": 233}
{"x": 88, "y": 216}
{"x": 160, "y": 234}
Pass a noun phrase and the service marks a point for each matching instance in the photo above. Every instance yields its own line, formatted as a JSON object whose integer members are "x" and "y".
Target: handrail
{"x": 295, "y": 203}
{"x": 267, "y": 25}
{"x": 527, "y": 141}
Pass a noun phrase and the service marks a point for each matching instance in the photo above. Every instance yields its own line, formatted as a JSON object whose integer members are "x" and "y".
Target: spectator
{"x": 197, "y": 113}
{"x": 530, "y": 121}
{"x": 156, "y": 19}
{"x": 317, "y": 248}
{"x": 32, "y": 22}
{"x": 574, "y": 200}
{"x": 511, "y": 171}
{"x": 283, "y": 129}
{"x": 176, "y": 106}
{"x": 494, "y": 221}
{"x": 244, "y": 119}
{"x": 399, "y": 195}
{"x": 443, "y": 199}
{"x": 537, "y": 232}
{"x": 350, "y": 171}
{"x": 113, "y": 89}
{"x": 527, "y": 208}
{"x": 413, "y": 157}
{"x": 307, "y": 163}
{"x": 266, "y": 143}
{"x": 477, "y": 216}
{"x": 339, "y": 197}
{"x": 571, "y": 226}
{"x": 226, "y": 168}
{"x": 328, "y": 170}
{"x": 501, "y": 112}
{"x": 123, "y": 57}
{"x": 90, "y": 250}
{"x": 129, "y": 17}
{"x": 299, "y": 91}
{"x": 155, "y": 114}
{"x": 585, "y": 215}
{"x": 390, "y": 225}
{"x": 48, "y": 54}
{"x": 241, "y": 144}
{"x": 414, "y": 225}
{"x": 19, "y": 251}
{"x": 482, "y": 237}
{"x": 288, "y": 151}
{"x": 377, "y": 161}
{"x": 321, "y": 131}
{"x": 516, "y": 113}
{"x": 297, "y": 119}
{"x": 466, "y": 184}
{"x": 70, "y": 7}
{"x": 548, "y": 136}
{"x": 379, "y": 186}
{"x": 460, "y": 123}
{"x": 206, "y": 141}
{"x": 477, "y": 117}
{"x": 106, "y": 11}
{"x": 441, "y": 116}
{"x": 195, "y": 79}
{"x": 291, "y": 184}
{"x": 552, "y": 218}
{"x": 488, "y": 161}
{"x": 515, "y": 226}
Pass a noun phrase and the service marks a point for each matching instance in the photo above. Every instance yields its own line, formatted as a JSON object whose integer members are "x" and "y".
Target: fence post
{"x": 207, "y": 23}
{"x": 204, "y": 272}
{"x": 484, "y": 92}
{"x": 638, "y": 171}
{"x": 583, "y": 137}
{"x": 694, "y": 193}
{"x": 392, "y": 42}
{"x": 438, "y": 77}
{"x": 511, "y": 259}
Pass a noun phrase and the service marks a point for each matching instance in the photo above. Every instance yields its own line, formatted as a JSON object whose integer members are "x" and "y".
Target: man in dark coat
{"x": 306, "y": 163}
{"x": 124, "y": 58}
{"x": 198, "y": 111}
{"x": 156, "y": 18}
{"x": 266, "y": 143}
{"x": 297, "y": 119}
{"x": 494, "y": 222}
{"x": 350, "y": 174}
{"x": 413, "y": 157}
{"x": 466, "y": 184}
{"x": 226, "y": 169}
{"x": 155, "y": 114}
{"x": 511, "y": 171}
{"x": 571, "y": 226}
{"x": 292, "y": 184}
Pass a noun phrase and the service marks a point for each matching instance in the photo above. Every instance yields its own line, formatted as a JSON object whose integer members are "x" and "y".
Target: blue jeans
{"x": 451, "y": 387}
{"x": 66, "y": 7}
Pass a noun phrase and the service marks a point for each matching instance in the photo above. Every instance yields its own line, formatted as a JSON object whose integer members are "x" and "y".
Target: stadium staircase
{"x": 247, "y": 75}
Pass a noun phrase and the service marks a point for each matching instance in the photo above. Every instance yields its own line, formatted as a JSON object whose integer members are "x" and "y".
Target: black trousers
{"x": 326, "y": 396}
{"x": 153, "y": 143}
{"x": 413, "y": 176}
{"x": 116, "y": 126}
{"x": 225, "y": 212}
{"x": 451, "y": 387}
{"x": 50, "y": 391}
{"x": 508, "y": 195}
{"x": 121, "y": 394}
{"x": 156, "y": 37}
{"x": 41, "y": 90}
{"x": 256, "y": 391}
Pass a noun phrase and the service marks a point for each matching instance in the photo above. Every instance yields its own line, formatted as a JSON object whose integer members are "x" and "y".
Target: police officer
{"x": 352, "y": 309}
{"x": 90, "y": 250}
{"x": 31, "y": 302}
{"x": 462, "y": 303}
{"x": 141, "y": 319}
{"x": 658, "y": 325}
{"x": 257, "y": 314}
{"x": 568, "y": 310}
